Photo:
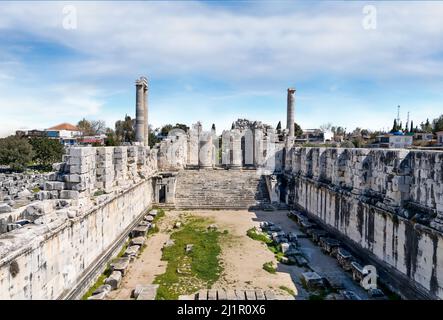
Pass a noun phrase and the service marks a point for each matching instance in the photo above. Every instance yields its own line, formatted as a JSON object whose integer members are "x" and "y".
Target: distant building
{"x": 315, "y": 136}
{"x": 68, "y": 134}
{"x": 423, "y": 136}
{"x": 92, "y": 140}
{"x": 31, "y": 133}
{"x": 396, "y": 140}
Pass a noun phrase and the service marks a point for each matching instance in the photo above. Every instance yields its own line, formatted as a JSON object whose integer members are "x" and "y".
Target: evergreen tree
{"x": 279, "y": 127}
{"x": 438, "y": 124}
{"x": 428, "y": 126}
{"x": 412, "y": 126}
{"x": 395, "y": 126}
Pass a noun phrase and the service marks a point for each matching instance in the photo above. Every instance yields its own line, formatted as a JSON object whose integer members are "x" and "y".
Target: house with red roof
{"x": 67, "y": 133}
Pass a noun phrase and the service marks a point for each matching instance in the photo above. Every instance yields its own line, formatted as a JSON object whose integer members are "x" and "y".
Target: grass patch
{"x": 100, "y": 281}
{"x": 99, "y": 193}
{"x": 288, "y": 290}
{"x": 269, "y": 267}
{"x": 254, "y": 234}
{"x": 200, "y": 268}
{"x": 35, "y": 189}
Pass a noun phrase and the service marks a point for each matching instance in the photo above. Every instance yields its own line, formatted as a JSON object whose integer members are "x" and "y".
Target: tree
{"x": 153, "y": 139}
{"x": 168, "y": 127}
{"x": 427, "y": 127}
{"x": 92, "y": 127}
{"x": 98, "y": 127}
{"x": 15, "y": 152}
{"x": 124, "y": 130}
{"x": 347, "y": 144}
{"x": 412, "y": 126}
{"x": 85, "y": 127}
{"x": 46, "y": 151}
{"x": 438, "y": 124}
{"x": 278, "y": 127}
{"x": 297, "y": 130}
{"x": 395, "y": 126}
{"x": 326, "y": 127}
{"x": 165, "y": 129}
{"x": 184, "y": 127}
{"x": 111, "y": 138}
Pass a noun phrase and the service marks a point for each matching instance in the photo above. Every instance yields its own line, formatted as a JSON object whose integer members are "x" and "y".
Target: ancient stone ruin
{"x": 386, "y": 205}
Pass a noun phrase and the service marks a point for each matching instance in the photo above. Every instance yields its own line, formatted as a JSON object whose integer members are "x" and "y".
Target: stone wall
{"x": 386, "y": 202}
{"x": 65, "y": 238}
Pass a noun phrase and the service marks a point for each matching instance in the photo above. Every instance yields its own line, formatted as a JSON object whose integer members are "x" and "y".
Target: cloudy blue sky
{"x": 216, "y": 62}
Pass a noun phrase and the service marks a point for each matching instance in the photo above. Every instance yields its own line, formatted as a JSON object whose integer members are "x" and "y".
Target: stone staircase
{"x": 220, "y": 189}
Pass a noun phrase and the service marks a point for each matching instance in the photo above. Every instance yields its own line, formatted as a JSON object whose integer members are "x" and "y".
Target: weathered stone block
{"x": 5, "y": 208}
{"x": 114, "y": 279}
{"x": 120, "y": 264}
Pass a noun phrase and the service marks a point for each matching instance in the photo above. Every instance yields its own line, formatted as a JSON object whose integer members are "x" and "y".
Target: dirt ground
{"x": 242, "y": 257}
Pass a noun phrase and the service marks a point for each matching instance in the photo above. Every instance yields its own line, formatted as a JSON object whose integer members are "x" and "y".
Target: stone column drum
{"x": 145, "y": 107}
{"x": 140, "y": 108}
{"x": 237, "y": 160}
{"x": 205, "y": 154}
{"x": 290, "y": 112}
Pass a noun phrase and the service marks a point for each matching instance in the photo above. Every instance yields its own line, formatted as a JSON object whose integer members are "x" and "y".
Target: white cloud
{"x": 254, "y": 49}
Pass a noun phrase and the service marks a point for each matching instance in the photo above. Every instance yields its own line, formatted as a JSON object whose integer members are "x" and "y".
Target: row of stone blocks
{"x": 119, "y": 266}
{"x": 86, "y": 169}
{"x": 237, "y": 294}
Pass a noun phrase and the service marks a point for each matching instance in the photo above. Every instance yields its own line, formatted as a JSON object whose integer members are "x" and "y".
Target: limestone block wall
{"x": 68, "y": 233}
{"x": 173, "y": 153}
{"x": 387, "y": 202}
{"x": 44, "y": 261}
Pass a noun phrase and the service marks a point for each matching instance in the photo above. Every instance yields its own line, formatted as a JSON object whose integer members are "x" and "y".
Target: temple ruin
{"x": 385, "y": 205}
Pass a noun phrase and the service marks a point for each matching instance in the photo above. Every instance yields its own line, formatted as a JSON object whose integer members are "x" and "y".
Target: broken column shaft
{"x": 290, "y": 112}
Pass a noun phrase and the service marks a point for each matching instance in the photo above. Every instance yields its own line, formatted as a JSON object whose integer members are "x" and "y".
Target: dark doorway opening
{"x": 162, "y": 194}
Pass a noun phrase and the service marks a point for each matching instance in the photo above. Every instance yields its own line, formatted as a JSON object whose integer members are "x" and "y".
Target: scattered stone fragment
{"x": 114, "y": 279}
{"x": 189, "y": 248}
{"x": 120, "y": 264}
{"x": 138, "y": 241}
{"x": 153, "y": 212}
{"x": 212, "y": 227}
{"x": 99, "y": 296}
{"x": 131, "y": 251}
{"x": 139, "y": 231}
{"x": 177, "y": 225}
{"x": 169, "y": 243}
{"x": 148, "y": 218}
{"x": 5, "y": 208}
{"x": 284, "y": 247}
{"x": 148, "y": 292}
{"x": 102, "y": 288}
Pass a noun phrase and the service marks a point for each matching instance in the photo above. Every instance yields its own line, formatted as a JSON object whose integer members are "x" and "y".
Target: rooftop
{"x": 64, "y": 126}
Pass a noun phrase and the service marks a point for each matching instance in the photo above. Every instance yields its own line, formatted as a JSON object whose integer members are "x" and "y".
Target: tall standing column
{"x": 145, "y": 107}
{"x": 290, "y": 112}
{"x": 139, "y": 110}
